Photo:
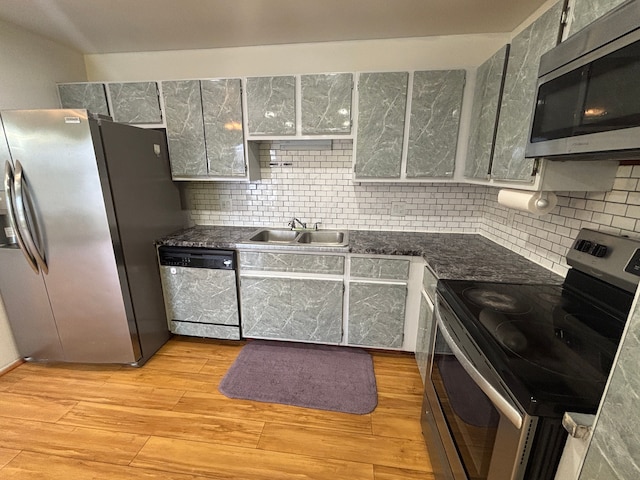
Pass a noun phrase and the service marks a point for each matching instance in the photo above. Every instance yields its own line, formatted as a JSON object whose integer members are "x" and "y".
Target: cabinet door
{"x": 521, "y": 78}
{"x": 583, "y": 12}
{"x": 292, "y": 309}
{"x": 271, "y": 105}
{"x": 423, "y": 342}
{"x": 90, "y": 96}
{"x": 266, "y": 307}
{"x": 222, "y": 111}
{"x": 376, "y": 314}
{"x": 200, "y": 295}
{"x": 484, "y": 115}
{"x": 135, "y": 102}
{"x": 436, "y": 102}
{"x": 382, "y": 103}
{"x": 326, "y": 103}
{"x": 317, "y": 310}
{"x": 185, "y": 127}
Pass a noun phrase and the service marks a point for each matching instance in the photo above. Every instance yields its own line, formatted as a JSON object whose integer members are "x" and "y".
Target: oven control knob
{"x": 584, "y": 245}
{"x": 599, "y": 250}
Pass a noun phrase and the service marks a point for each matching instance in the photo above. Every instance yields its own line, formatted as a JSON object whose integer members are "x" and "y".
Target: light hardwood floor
{"x": 167, "y": 420}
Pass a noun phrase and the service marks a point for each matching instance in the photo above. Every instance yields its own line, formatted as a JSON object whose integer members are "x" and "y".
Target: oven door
{"x": 473, "y": 429}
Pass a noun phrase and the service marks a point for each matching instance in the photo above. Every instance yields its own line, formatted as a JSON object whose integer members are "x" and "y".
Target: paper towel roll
{"x": 538, "y": 203}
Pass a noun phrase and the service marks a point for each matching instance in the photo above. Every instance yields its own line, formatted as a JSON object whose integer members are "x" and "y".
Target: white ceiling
{"x": 108, "y": 26}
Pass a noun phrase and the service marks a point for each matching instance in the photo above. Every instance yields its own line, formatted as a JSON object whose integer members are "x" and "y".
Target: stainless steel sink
{"x": 275, "y": 236}
{"x": 321, "y": 236}
{"x": 269, "y": 235}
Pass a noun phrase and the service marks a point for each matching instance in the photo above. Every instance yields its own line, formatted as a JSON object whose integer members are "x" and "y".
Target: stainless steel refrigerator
{"x": 85, "y": 200}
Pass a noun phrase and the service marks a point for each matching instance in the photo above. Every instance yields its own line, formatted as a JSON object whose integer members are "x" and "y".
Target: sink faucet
{"x": 293, "y": 221}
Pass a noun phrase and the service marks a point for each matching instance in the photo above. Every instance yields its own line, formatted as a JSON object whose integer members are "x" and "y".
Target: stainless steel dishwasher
{"x": 200, "y": 289}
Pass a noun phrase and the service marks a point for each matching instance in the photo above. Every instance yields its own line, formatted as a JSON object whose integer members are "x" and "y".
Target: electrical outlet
{"x": 225, "y": 204}
{"x": 398, "y": 209}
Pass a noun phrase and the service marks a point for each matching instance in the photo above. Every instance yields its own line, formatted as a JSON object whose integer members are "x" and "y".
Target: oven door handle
{"x": 506, "y": 407}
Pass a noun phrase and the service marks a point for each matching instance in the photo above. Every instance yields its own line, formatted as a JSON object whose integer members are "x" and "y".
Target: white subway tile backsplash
{"x": 317, "y": 186}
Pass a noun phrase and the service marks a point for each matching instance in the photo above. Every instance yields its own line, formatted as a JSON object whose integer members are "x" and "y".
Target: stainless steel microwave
{"x": 588, "y": 93}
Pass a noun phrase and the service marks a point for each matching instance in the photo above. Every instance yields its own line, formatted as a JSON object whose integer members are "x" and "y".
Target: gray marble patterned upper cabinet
{"x": 271, "y": 105}
{"x": 326, "y": 103}
{"x": 527, "y": 47}
{"x": 90, "y": 96}
{"x": 382, "y": 102}
{"x": 583, "y": 12}
{"x": 135, "y": 102}
{"x": 222, "y": 110}
{"x": 484, "y": 115}
{"x": 205, "y": 130}
{"x": 436, "y": 103}
{"x": 185, "y": 128}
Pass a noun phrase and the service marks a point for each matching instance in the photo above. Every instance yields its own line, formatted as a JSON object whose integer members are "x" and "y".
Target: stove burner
{"x": 553, "y": 299}
{"x": 557, "y": 348}
{"x": 501, "y": 302}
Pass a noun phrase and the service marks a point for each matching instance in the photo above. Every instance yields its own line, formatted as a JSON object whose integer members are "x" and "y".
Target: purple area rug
{"x": 324, "y": 377}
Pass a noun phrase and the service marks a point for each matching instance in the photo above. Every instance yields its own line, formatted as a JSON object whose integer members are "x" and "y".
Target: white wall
{"x": 30, "y": 65}
{"x": 457, "y": 51}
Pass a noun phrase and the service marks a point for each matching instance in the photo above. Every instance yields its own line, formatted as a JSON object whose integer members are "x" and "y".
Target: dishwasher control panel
{"x": 195, "y": 257}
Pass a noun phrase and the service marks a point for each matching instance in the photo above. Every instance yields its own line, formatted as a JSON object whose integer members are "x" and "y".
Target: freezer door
{"x": 27, "y": 305}
{"x": 56, "y": 150}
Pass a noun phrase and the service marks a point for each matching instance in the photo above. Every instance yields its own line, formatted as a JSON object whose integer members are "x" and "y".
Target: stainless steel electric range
{"x": 508, "y": 360}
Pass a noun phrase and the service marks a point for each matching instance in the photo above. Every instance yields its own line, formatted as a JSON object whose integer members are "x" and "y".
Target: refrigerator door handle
{"x": 8, "y": 188}
{"x": 22, "y": 200}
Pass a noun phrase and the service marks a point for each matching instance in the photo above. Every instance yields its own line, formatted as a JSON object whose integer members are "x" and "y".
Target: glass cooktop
{"x": 552, "y": 348}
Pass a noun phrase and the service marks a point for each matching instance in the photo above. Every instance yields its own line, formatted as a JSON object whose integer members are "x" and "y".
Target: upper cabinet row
{"x": 505, "y": 91}
{"x": 406, "y": 123}
{"x": 407, "y": 127}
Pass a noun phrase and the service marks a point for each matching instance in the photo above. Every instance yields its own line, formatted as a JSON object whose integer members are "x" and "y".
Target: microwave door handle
{"x": 8, "y": 188}
{"x": 22, "y": 194}
{"x": 505, "y": 406}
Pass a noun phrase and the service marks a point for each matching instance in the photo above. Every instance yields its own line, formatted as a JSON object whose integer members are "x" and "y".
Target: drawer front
{"x": 429, "y": 282}
{"x": 379, "y": 268}
{"x": 292, "y": 262}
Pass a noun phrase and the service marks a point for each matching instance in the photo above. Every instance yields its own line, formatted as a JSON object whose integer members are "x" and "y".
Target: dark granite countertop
{"x": 449, "y": 255}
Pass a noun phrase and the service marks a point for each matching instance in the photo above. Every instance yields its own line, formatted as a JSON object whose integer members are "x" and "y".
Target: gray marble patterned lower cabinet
{"x": 292, "y": 262}
{"x": 376, "y": 314}
{"x": 425, "y": 324}
{"x": 205, "y": 330}
{"x": 379, "y": 268}
{"x": 198, "y": 299}
{"x": 293, "y": 309}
